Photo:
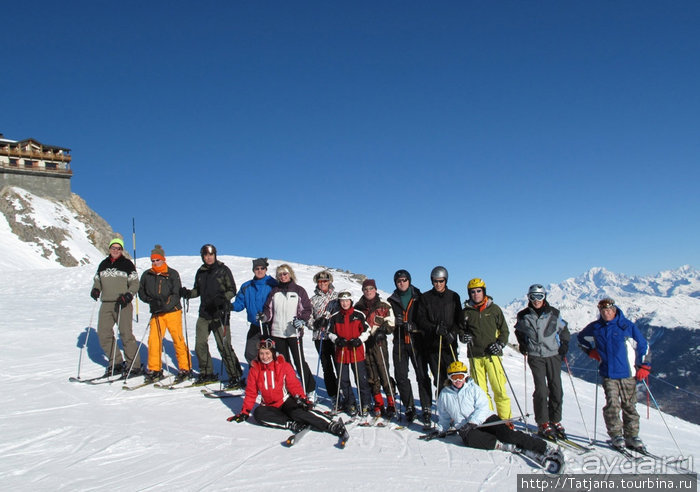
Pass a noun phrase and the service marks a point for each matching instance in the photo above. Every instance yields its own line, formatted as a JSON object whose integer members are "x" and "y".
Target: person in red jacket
{"x": 348, "y": 330}
{"x": 284, "y": 404}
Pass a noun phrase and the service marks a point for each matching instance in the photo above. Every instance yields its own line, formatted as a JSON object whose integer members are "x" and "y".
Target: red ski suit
{"x": 274, "y": 381}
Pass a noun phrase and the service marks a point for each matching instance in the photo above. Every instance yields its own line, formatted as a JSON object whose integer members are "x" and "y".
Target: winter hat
{"x": 323, "y": 275}
{"x": 260, "y": 262}
{"x": 157, "y": 253}
{"x": 369, "y": 282}
{"x": 117, "y": 240}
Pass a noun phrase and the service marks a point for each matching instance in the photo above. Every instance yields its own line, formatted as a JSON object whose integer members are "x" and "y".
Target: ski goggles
{"x": 606, "y": 303}
{"x": 458, "y": 376}
{"x": 268, "y": 344}
{"x": 536, "y": 296}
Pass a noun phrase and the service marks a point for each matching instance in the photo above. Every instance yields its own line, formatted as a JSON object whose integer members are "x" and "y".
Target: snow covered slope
{"x": 56, "y": 435}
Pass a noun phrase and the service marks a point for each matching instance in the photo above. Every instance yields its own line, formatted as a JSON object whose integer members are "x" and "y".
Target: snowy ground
{"x": 57, "y": 435}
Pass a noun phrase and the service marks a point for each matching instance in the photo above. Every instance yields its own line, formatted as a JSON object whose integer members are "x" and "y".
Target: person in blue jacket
{"x": 464, "y": 406}
{"x": 252, "y": 297}
{"x": 622, "y": 353}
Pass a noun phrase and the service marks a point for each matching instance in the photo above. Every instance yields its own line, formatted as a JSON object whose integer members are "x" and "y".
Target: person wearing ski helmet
{"x": 439, "y": 318}
{"x": 380, "y": 319}
{"x": 348, "y": 330}
{"x": 463, "y": 405}
{"x": 324, "y": 303}
{"x": 284, "y": 404}
{"x": 623, "y": 359}
{"x": 287, "y": 310}
{"x": 487, "y": 332}
{"x": 215, "y": 286}
{"x": 116, "y": 282}
{"x": 252, "y": 297}
{"x": 543, "y": 338}
{"x": 409, "y": 345}
{"x": 160, "y": 289}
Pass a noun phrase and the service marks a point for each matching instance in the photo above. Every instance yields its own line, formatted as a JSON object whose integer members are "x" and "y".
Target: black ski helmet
{"x": 209, "y": 249}
{"x": 402, "y": 274}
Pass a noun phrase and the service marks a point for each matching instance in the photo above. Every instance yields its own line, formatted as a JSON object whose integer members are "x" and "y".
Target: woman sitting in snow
{"x": 284, "y": 403}
{"x": 462, "y": 404}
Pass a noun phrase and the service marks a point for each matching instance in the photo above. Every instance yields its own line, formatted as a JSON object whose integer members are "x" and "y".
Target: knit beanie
{"x": 157, "y": 253}
{"x": 369, "y": 282}
{"x": 117, "y": 240}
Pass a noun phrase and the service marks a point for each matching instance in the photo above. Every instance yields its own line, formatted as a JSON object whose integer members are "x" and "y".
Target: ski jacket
{"x": 286, "y": 301}
{"x": 252, "y": 297}
{"x": 215, "y": 285}
{"x": 114, "y": 278}
{"x": 348, "y": 324}
{"x": 374, "y": 308}
{"x": 403, "y": 315}
{"x": 487, "y": 325}
{"x": 620, "y": 344}
{"x": 436, "y": 307}
{"x": 275, "y": 382}
{"x": 323, "y": 304}
{"x": 163, "y": 287}
{"x": 457, "y": 407}
{"x": 541, "y": 335}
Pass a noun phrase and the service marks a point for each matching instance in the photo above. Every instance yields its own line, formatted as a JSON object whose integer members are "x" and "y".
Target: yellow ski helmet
{"x": 457, "y": 366}
{"x": 475, "y": 283}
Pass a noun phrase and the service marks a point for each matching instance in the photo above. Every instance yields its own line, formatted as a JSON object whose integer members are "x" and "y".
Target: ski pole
{"x": 437, "y": 381}
{"x": 161, "y": 334}
{"x": 568, "y": 369}
{"x": 595, "y": 413}
{"x": 525, "y": 380}
{"x": 87, "y": 337}
{"x": 386, "y": 373}
{"x": 115, "y": 341}
{"x": 187, "y": 339}
{"x": 138, "y": 349}
{"x": 318, "y": 365}
{"x": 340, "y": 375}
{"x": 302, "y": 365}
{"x": 357, "y": 377}
{"x": 662, "y": 417}
{"x": 522, "y": 414}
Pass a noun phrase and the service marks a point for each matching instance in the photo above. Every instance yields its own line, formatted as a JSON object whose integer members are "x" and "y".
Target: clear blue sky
{"x": 515, "y": 141}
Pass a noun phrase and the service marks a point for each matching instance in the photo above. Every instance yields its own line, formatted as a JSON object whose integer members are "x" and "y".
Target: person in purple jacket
{"x": 287, "y": 310}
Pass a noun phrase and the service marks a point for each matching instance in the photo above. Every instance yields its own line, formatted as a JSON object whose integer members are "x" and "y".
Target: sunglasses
{"x": 475, "y": 291}
{"x": 156, "y": 261}
{"x": 116, "y": 248}
{"x": 458, "y": 376}
{"x": 438, "y": 280}
{"x": 401, "y": 280}
{"x": 282, "y": 274}
{"x": 257, "y": 269}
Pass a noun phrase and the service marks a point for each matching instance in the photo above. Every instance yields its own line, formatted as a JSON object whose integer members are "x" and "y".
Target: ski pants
{"x": 487, "y": 437}
{"x": 402, "y": 354}
{"x": 294, "y": 345}
{"x": 548, "y": 395}
{"x": 490, "y": 367}
{"x": 621, "y": 395}
{"x": 377, "y": 358}
{"x": 252, "y": 341}
{"x": 326, "y": 350}
{"x": 222, "y": 336}
{"x": 171, "y": 322}
{"x": 346, "y": 394}
{"x": 289, "y": 410}
{"x": 109, "y": 314}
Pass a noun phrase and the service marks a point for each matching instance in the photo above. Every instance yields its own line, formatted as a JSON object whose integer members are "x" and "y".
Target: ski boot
{"x": 118, "y": 370}
{"x": 295, "y": 426}
{"x": 205, "y": 378}
{"x": 558, "y": 429}
{"x": 410, "y": 414}
{"x": 351, "y": 409}
{"x": 545, "y": 430}
{"x": 182, "y": 376}
{"x": 552, "y": 460}
{"x": 337, "y": 428}
{"x": 135, "y": 371}
{"x": 635, "y": 444}
{"x": 235, "y": 384}
{"x": 152, "y": 376}
{"x": 427, "y": 419}
{"x": 618, "y": 442}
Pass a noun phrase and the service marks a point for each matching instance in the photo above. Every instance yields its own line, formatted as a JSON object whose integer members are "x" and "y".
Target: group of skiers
{"x": 352, "y": 337}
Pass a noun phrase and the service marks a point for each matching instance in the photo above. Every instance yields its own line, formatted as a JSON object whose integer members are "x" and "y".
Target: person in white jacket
{"x": 463, "y": 406}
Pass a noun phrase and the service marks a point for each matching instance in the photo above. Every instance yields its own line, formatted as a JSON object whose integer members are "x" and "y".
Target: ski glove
{"x": 523, "y": 349}
{"x": 214, "y": 324}
{"x": 466, "y": 429}
{"x": 496, "y": 348}
{"x": 260, "y": 317}
{"x": 320, "y": 323}
{"x": 445, "y": 333}
{"x": 466, "y": 338}
{"x": 380, "y": 334}
{"x": 95, "y": 293}
{"x": 185, "y": 292}
{"x": 412, "y": 328}
{"x": 378, "y": 320}
{"x": 563, "y": 348}
{"x": 643, "y": 372}
{"x": 298, "y": 324}
{"x": 432, "y": 435}
{"x": 356, "y": 342}
{"x": 593, "y": 354}
{"x": 238, "y": 418}
{"x": 341, "y": 342}
{"x": 303, "y": 403}
{"x": 125, "y": 299}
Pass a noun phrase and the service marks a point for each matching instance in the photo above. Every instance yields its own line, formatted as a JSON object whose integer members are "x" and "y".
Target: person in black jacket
{"x": 214, "y": 283}
{"x": 408, "y": 345}
{"x": 439, "y": 318}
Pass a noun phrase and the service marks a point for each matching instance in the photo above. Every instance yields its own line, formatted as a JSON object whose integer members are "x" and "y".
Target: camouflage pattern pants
{"x": 621, "y": 395}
